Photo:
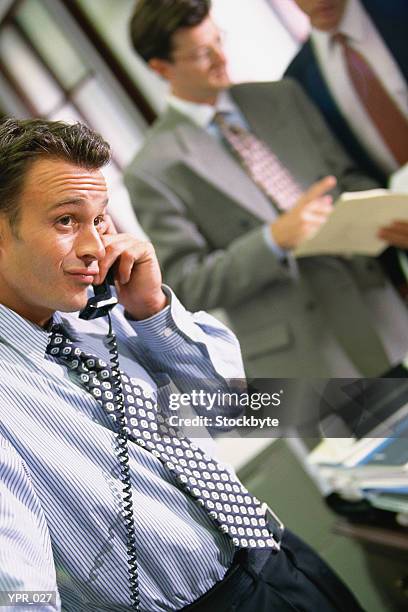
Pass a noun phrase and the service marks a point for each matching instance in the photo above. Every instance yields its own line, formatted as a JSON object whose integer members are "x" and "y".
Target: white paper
{"x": 352, "y": 227}
{"x": 399, "y": 180}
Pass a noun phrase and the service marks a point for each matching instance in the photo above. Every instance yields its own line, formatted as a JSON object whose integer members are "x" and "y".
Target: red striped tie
{"x": 384, "y": 112}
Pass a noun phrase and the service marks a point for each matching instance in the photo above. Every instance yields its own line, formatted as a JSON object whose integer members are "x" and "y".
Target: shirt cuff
{"x": 279, "y": 252}
{"x": 159, "y": 332}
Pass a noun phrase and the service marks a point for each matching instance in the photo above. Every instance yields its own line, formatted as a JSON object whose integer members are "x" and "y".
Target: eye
{"x": 66, "y": 220}
{"x": 100, "y": 223}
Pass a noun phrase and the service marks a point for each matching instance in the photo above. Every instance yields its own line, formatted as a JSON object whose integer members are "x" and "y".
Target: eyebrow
{"x": 74, "y": 201}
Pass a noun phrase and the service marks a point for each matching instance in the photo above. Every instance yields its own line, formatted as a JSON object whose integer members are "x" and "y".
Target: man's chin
{"x": 76, "y": 304}
{"x": 221, "y": 80}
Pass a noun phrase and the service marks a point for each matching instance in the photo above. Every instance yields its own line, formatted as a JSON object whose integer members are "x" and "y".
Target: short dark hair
{"x": 24, "y": 141}
{"x": 154, "y": 22}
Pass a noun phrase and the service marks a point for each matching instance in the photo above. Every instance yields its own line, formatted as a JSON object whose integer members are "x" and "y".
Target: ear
{"x": 4, "y": 229}
{"x": 2, "y": 226}
{"x": 161, "y": 67}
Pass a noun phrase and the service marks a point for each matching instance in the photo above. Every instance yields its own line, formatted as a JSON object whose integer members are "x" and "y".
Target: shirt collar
{"x": 23, "y": 335}
{"x": 352, "y": 22}
{"x": 352, "y": 25}
{"x": 203, "y": 114}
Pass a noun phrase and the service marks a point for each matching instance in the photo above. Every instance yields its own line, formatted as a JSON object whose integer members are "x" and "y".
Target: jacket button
{"x": 245, "y": 223}
{"x": 311, "y": 305}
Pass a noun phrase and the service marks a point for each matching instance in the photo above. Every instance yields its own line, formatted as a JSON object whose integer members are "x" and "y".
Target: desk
{"x": 386, "y": 555}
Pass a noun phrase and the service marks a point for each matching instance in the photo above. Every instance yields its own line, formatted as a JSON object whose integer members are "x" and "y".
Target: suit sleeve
{"x": 349, "y": 176}
{"x": 201, "y": 276}
{"x": 26, "y": 561}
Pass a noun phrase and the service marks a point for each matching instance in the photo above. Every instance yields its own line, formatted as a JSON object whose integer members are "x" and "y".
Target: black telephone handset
{"x": 103, "y": 300}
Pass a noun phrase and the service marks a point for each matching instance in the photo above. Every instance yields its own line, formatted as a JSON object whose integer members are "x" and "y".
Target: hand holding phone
{"x": 137, "y": 274}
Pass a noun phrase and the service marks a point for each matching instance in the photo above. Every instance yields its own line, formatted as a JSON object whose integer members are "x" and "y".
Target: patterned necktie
{"x": 235, "y": 511}
{"x": 384, "y": 112}
{"x": 261, "y": 164}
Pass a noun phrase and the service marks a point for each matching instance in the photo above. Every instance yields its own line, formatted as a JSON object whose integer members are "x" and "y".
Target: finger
{"x": 126, "y": 247}
{"x": 104, "y": 267}
{"x": 399, "y": 226}
{"x": 314, "y": 220}
{"x": 323, "y": 204}
{"x": 311, "y": 215}
{"x": 125, "y": 267}
{"x": 114, "y": 245}
{"x": 310, "y": 229}
{"x": 397, "y": 239}
{"x": 318, "y": 211}
{"x": 320, "y": 188}
{"x": 110, "y": 226}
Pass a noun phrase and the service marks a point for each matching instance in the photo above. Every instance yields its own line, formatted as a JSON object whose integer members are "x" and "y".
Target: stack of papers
{"x": 374, "y": 468}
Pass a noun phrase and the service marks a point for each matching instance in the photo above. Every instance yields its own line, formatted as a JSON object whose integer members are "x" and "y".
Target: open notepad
{"x": 352, "y": 227}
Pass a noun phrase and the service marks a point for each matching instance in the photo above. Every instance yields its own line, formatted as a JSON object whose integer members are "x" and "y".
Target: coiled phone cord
{"x": 122, "y": 440}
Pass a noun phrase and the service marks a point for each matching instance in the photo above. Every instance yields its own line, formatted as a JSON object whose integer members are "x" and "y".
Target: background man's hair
{"x": 24, "y": 141}
{"x": 154, "y": 22}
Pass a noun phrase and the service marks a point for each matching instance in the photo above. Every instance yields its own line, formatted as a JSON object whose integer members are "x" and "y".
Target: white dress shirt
{"x": 365, "y": 38}
{"x": 203, "y": 114}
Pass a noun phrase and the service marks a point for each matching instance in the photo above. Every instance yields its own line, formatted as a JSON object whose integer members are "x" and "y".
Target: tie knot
{"x": 59, "y": 341}
{"x": 57, "y": 330}
{"x": 221, "y": 119}
{"x": 339, "y": 38}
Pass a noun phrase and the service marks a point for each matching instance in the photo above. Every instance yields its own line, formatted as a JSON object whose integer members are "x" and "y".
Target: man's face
{"x": 197, "y": 69}
{"x": 324, "y": 14}
{"x": 53, "y": 259}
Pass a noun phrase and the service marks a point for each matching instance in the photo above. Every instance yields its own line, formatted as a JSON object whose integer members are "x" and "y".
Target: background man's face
{"x": 52, "y": 261}
{"x": 197, "y": 70}
{"x": 324, "y": 14}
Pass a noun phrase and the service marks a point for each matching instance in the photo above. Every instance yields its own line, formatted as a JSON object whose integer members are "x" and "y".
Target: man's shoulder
{"x": 392, "y": 9}
{"x": 165, "y": 126}
{"x": 266, "y": 93}
{"x": 161, "y": 141}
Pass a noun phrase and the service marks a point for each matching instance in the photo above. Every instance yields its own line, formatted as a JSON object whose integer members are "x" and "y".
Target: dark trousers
{"x": 295, "y": 579}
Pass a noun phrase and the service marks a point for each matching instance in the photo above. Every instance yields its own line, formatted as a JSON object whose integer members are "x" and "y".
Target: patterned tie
{"x": 384, "y": 112}
{"x": 235, "y": 511}
{"x": 261, "y": 164}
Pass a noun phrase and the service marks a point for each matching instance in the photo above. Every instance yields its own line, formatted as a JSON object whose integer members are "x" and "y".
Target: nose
{"x": 89, "y": 245}
{"x": 218, "y": 56}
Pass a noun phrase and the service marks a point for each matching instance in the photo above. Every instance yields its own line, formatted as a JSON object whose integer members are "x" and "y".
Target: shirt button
{"x": 310, "y": 305}
{"x": 167, "y": 332}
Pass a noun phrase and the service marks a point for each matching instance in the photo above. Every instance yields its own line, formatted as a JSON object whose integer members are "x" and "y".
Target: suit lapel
{"x": 203, "y": 154}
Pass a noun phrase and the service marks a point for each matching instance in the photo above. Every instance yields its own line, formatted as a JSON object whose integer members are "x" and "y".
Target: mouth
{"x": 84, "y": 277}
{"x": 326, "y": 11}
{"x": 220, "y": 72}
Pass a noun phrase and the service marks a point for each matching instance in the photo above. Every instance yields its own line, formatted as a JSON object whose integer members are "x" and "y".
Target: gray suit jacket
{"x": 321, "y": 316}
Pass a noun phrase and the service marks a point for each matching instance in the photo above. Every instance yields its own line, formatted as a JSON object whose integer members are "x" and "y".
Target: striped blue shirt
{"x": 61, "y": 523}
